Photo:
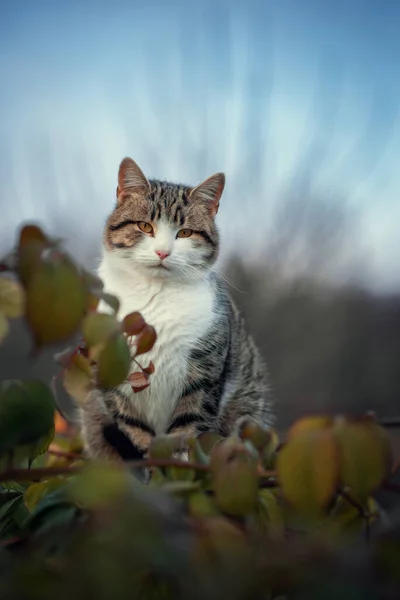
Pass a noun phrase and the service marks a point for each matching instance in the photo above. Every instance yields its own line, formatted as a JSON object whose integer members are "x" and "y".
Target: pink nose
{"x": 162, "y": 254}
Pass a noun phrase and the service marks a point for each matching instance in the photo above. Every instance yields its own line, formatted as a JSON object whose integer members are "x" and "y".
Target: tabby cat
{"x": 159, "y": 249}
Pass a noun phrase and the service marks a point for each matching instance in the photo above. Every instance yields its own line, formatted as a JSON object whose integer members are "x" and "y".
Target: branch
{"x": 47, "y": 472}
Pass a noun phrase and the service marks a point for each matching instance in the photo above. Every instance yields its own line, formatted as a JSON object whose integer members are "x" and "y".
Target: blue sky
{"x": 259, "y": 89}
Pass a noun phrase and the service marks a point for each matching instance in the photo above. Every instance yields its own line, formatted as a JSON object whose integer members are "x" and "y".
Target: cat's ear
{"x": 131, "y": 179}
{"x": 210, "y": 192}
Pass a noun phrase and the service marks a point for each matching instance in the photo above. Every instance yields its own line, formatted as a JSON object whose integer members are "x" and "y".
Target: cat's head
{"x": 166, "y": 230}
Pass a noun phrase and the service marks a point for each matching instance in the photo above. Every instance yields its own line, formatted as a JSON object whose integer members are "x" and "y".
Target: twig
{"x": 47, "y": 472}
{"x": 354, "y": 504}
{"x": 391, "y": 486}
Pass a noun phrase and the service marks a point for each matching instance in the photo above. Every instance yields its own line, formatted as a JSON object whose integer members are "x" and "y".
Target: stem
{"x": 47, "y": 472}
{"x": 354, "y": 504}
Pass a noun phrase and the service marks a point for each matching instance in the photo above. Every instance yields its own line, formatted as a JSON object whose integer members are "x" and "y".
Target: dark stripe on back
{"x": 184, "y": 420}
{"x": 135, "y": 423}
{"x": 121, "y": 443}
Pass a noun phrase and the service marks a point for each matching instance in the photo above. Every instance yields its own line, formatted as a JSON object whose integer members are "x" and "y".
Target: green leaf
{"x": 56, "y": 299}
{"x": 111, "y": 300}
{"x": 114, "y": 362}
{"x": 12, "y": 517}
{"x": 146, "y": 340}
{"x": 235, "y": 480}
{"x": 78, "y": 378}
{"x": 36, "y": 491}
{"x": 269, "y": 512}
{"x": 4, "y": 327}
{"x": 365, "y": 456}
{"x": 98, "y": 328}
{"x": 98, "y": 485}
{"x": 164, "y": 446}
{"x": 307, "y": 470}
{"x": 208, "y": 440}
{"x": 26, "y": 415}
{"x": 202, "y": 505}
{"x": 12, "y": 298}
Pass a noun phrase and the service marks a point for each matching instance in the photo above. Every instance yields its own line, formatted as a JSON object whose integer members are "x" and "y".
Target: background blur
{"x": 297, "y": 101}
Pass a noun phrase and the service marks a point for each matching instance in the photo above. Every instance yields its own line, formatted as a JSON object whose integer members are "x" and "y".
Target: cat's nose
{"x": 162, "y": 254}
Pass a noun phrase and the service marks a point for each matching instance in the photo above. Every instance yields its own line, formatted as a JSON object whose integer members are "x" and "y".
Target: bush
{"x": 248, "y": 517}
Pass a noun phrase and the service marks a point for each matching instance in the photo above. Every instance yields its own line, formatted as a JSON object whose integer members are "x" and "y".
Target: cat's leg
{"x": 189, "y": 419}
{"x": 241, "y": 409}
{"x": 110, "y": 434}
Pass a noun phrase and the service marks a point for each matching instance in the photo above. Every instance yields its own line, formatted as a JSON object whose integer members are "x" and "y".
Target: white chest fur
{"x": 181, "y": 314}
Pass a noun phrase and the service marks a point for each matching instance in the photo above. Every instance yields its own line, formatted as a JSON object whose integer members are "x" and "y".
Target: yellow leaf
{"x": 36, "y": 491}
{"x": 12, "y": 298}
{"x": 77, "y": 379}
{"x": 309, "y": 424}
{"x": 235, "y": 483}
{"x": 365, "y": 456}
{"x": 307, "y": 470}
{"x": 4, "y": 327}
{"x": 269, "y": 512}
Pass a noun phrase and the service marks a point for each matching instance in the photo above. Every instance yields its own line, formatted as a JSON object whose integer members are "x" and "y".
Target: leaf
{"x": 133, "y": 323}
{"x": 196, "y": 452}
{"x": 208, "y": 440}
{"x": 12, "y": 298}
{"x": 26, "y": 415}
{"x": 309, "y": 424}
{"x": 235, "y": 480}
{"x": 164, "y": 446}
{"x": 308, "y": 470}
{"x": 114, "y": 362}
{"x": 42, "y": 445}
{"x": 56, "y": 300}
{"x": 365, "y": 456}
{"x": 146, "y": 340}
{"x": 32, "y": 233}
{"x": 110, "y": 300}
{"x": 98, "y": 328}
{"x": 12, "y": 516}
{"x": 78, "y": 378}
{"x": 98, "y": 485}
{"x": 36, "y": 491}
{"x": 150, "y": 369}
{"x": 53, "y": 510}
{"x": 201, "y": 505}
{"x": 259, "y": 436}
{"x": 4, "y": 327}
{"x": 270, "y": 514}
{"x": 138, "y": 381}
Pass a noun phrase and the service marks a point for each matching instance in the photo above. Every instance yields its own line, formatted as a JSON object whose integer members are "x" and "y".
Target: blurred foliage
{"x": 247, "y": 517}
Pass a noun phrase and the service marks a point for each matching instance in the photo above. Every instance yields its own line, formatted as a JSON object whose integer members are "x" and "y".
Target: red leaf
{"x": 133, "y": 323}
{"x": 150, "y": 369}
{"x": 138, "y": 381}
{"x": 146, "y": 340}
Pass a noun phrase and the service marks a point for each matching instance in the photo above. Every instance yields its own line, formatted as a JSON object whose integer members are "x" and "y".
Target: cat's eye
{"x": 184, "y": 233}
{"x": 145, "y": 227}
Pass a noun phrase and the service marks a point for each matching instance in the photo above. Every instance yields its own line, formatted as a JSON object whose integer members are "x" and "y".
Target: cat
{"x": 160, "y": 246}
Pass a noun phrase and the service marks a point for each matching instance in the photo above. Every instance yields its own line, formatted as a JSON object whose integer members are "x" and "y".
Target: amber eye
{"x": 145, "y": 227}
{"x": 184, "y": 233}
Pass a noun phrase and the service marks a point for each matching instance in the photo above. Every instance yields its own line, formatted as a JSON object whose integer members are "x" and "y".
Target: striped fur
{"x": 209, "y": 374}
